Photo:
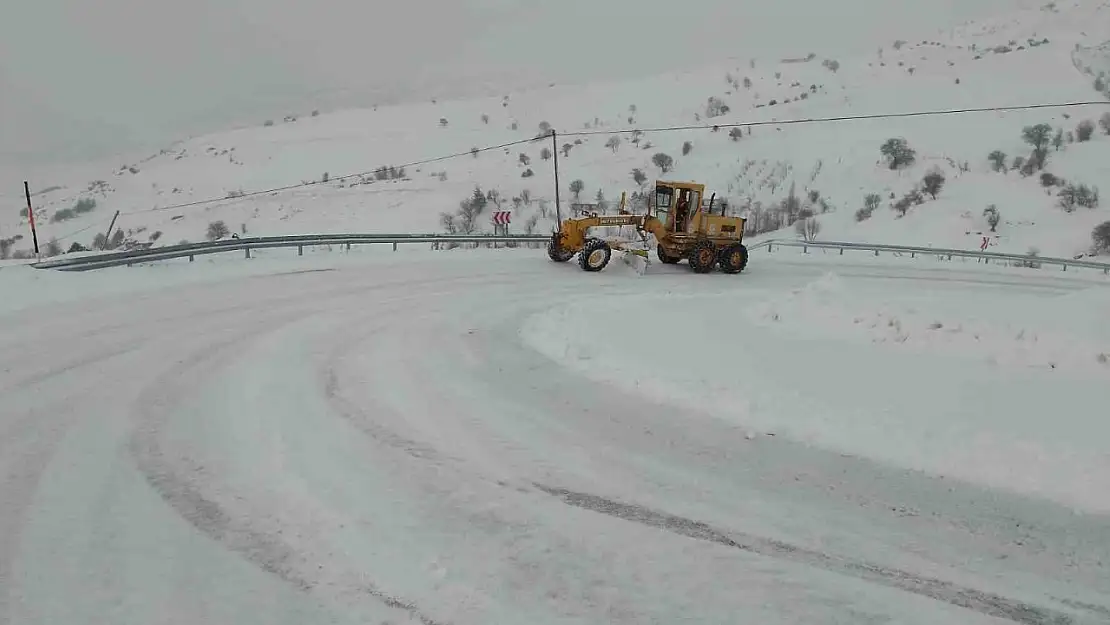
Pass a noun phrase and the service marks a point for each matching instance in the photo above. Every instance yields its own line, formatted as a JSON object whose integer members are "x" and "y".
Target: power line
{"x": 842, "y": 118}
{"x": 542, "y": 137}
{"x": 299, "y": 185}
{"x": 77, "y": 232}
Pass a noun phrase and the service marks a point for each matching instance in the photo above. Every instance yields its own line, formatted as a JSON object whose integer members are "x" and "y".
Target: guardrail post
{"x": 300, "y": 250}
{"x": 770, "y": 247}
{"x": 805, "y": 249}
{"x": 190, "y": 258}
{"x": 394, "y": 246}
{"x": 348, "y": 247}
{"x": 246, "y": 252}
{"x": 913, "y": 254}
{"x": 841, "y": 251}
{"x": 1065, "y": 267}
{"x": 876, "y": 252}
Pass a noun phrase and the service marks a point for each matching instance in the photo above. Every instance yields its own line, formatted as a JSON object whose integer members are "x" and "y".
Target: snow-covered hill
{"x": 1048, "y": 54}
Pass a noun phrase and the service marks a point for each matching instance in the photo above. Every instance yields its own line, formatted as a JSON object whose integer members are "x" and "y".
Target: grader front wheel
{"x": 733, "y": 258}
{"x": 595, "y": 255}
{"x": 558, "y": 253}
{"x": 703, "y": 256}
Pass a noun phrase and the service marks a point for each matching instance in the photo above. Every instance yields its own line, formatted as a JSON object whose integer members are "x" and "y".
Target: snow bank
{"x": 1000, "y": 386}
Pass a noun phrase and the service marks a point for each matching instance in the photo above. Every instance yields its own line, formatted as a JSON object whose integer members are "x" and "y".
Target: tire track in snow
{"x": 961, "y": 596}
{"x": 179, "y": 480}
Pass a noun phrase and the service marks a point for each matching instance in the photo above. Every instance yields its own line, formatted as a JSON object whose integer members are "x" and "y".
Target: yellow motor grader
{"x": 682, "y": 224}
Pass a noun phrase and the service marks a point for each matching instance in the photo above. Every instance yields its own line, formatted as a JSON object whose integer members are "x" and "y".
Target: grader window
{"x": 663, "y": 197}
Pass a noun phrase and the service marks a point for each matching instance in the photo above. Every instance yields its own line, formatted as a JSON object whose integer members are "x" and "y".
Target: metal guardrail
{"x": 946, "y": 253}
{"x": 191, "y": 250}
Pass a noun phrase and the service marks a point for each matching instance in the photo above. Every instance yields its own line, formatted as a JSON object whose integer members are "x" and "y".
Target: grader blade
{"x": 637, "y": 259}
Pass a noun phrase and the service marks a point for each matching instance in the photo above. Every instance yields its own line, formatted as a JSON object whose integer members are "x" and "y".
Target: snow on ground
{"x": 985, "y": 383}
{"x": 1031, "y": 55}
{"x": 484, "y": 436}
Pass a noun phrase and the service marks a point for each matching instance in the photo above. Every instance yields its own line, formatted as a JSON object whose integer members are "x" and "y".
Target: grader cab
{"x": 683, "y": 224}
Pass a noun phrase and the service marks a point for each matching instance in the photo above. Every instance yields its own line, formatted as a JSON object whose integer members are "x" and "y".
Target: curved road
{"x": 375, "y": 444}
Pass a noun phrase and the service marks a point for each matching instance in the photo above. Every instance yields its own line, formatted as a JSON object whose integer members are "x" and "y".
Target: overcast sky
{"x": 80, "y": 78}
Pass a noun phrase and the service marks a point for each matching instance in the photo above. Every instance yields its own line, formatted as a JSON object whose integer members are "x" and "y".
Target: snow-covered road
{"x": 397, "y": 439}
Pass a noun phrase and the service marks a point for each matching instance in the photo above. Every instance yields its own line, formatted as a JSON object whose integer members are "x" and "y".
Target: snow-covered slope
{"x": 1034, "y": 55}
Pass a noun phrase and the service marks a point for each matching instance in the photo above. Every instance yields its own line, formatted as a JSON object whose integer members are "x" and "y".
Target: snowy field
{"x": 475, "y": 437}
{"x": 1034, "y": 53}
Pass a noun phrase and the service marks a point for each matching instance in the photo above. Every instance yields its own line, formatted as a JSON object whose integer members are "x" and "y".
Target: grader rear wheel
{"x": 703, "y": 255}
{"x": 664, "y": 257}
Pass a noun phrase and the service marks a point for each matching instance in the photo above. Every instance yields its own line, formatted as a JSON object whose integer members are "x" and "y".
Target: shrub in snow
{"x": 736, "y": 134}
{"x": 485, "y": 119}
{"x": 613, "y": 143}
{"x": 998, "y": 160}
{"x": 1049, "y": 180}
{"x": 639, "y": 177}
{"x": 545, "y": 154}
{"x": 1101, "y": 237}
{"x": 1058, "y": 139}
{"x": 53, "y": 248}
{"x": 1104, "y": 122}
{"x": 1018, "y": 163}
{"x": 715, "y": 107}
{"x": 831, "y": 64}
{"x": 523, "y": 158}
{"x": 566, "y": 148}
{"x": 447, "y": 221}
{"x": 1037, "y": 136}
{"x": 1073, "y": 195}
{"x": 898, "y": 153}
{"x": 864, "y": 214}
{"x": 1084, "y": 130}
{"x": 216, "y": 230}
{"x": 527, "y": 173}
{"x": 663, "y": 161}
{"x": 443, "y": 122}
{"x": 902, "y": 205}
{"x": 933, "y": 182}
{"x": 687, "y": 147}
{"x": 871, "y": 201}
{"x": 1030, "y": 165}
{"x": 1100, "y": 84}
{"x": 807, "y": 227}
{"x": 993, "y": 216}
{"x": 576, "y": 188}
{"x": 602, "y": 203}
